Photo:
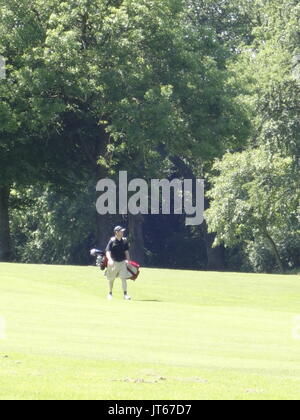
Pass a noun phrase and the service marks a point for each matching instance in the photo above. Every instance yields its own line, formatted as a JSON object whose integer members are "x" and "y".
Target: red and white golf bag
{"x": 133, "y": 269}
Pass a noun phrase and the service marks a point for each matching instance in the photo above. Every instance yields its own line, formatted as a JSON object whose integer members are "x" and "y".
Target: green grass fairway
{"x": 185, "y": 335}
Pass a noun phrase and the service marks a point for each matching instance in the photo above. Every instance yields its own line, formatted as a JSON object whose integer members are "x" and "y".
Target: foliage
{"x": 95, "y": 87}
{"x": 50, "y": 227}
{"x": 254, "y": 196}
{"x": 259, "y": 200}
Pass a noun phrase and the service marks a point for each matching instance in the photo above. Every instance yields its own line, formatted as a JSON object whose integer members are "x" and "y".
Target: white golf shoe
{"x": 127, "y": 297}
{"x": 109, "y": 296}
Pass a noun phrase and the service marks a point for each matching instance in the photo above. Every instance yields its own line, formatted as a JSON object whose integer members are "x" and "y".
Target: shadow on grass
{"x": 148, "y": 300}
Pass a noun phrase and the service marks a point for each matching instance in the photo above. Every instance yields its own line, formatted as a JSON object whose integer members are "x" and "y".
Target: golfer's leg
{"x": 111, "y": 275}
{"x": 123, "y": 275}
{"x": 120, "y": 272}
{"x": 111, "y": 285}
{"x": 124, "y": 285}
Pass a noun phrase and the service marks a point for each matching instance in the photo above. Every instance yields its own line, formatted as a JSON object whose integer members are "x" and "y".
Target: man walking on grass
{"x": 117, "y": 253}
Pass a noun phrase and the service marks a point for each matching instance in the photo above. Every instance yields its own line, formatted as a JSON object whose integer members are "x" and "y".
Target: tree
{"x": 113, "y": 80}
{"x": 43, "y": 125}
{"x": 254, "y": 196}
{"x": 21, "y": 131}
{"x": 268, "y": 69}
{"x": 116, "y": 81}
{"x": 51, "y": 227}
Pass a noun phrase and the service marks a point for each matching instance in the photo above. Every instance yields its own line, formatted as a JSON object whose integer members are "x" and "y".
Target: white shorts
{"x": 118, "y": 269}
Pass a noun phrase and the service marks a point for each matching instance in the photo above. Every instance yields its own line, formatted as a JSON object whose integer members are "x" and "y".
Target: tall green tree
{"x": 268, "y": 68}
{"x": 113, "y": 79}
{"x": 254, "y": 197}
{"x": 40, "y": 139}
{"x": 20, "y": 32}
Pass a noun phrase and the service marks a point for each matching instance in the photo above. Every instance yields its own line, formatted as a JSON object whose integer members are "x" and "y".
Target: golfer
{"x": 117, "y": 253}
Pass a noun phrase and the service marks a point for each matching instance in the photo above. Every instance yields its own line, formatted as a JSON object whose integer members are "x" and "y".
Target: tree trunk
{"x": 136, "y": 238}
{"x": 5, "y": 250}
{"x": 275, "y": 250}
{"x": 215, "y": 256}
{"x": 104, "y": 230}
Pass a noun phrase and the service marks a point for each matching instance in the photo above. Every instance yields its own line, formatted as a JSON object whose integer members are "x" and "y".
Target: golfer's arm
{"x": 108, "y": 256}
{"x": 127, "y": 256}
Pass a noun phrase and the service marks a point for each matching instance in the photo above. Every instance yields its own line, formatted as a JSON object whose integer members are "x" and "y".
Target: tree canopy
{"x": 160, "y": 88}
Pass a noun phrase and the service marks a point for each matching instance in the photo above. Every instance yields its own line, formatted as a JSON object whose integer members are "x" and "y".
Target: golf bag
{"x": 133, "y": 269}
{"x": 101, "y": 259}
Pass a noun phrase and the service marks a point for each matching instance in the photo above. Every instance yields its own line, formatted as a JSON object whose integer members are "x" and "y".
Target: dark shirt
{"x": 117, "y": 249}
